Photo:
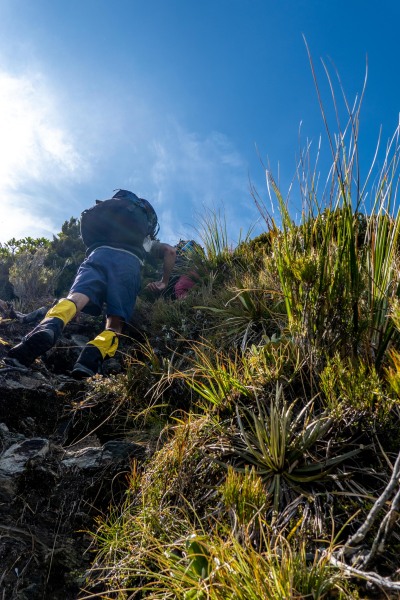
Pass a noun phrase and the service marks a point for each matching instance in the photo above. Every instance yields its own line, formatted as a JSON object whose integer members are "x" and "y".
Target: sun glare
{"x": 34, "y": 150}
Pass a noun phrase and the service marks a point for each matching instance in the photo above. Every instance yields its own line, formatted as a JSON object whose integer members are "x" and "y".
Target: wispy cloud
{"x": 37, "y": 155}
{"x": 207, "y": 171}
{"x": 206, "y": 167}
{"x": 57, "y": 158}
{"x": 187, "y": 171}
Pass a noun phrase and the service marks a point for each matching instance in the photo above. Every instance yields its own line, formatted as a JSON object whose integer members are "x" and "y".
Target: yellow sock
{"x": 106, "y": 342}
{"x": 64, "y": 309}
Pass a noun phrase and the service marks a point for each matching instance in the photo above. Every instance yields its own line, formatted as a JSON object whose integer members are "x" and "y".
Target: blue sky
{"x": 181, "y": 101}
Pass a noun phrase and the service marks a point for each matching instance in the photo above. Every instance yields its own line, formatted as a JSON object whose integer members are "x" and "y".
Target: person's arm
{"x": 168, "y": 254}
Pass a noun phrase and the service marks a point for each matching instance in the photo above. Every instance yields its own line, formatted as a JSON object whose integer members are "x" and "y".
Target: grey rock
{"x": 93, "y": 458}
{"x": 14, "y": 460}
{"x": 7, "y": 438}
{"x": 80, "y": 340}
{"x": 86, "y": 459}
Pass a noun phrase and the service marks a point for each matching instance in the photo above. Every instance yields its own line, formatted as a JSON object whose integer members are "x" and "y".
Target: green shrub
{"x": 33, "y": 283}
{"x": 348, "y": 384}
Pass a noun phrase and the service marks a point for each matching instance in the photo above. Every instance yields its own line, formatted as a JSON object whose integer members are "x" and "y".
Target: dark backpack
{"x": 125, "y": 220}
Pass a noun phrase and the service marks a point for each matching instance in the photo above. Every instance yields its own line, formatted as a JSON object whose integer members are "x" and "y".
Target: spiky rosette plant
{"x": 288, "y": 446}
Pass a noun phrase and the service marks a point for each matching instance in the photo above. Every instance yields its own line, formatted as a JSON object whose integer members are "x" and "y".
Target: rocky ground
{"x": 57, "y": 473}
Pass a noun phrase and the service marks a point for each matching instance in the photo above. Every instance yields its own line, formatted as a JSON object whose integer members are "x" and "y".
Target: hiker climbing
{"x": 185, "y": 254}
{"x": 185, "y": 274}
{"x": 117, "y": 233}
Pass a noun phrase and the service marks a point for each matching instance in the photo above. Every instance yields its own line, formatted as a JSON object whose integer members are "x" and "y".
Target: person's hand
{"x": 156, "y": 286}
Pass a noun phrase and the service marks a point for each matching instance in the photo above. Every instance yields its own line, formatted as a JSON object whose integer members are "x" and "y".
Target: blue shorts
{"x": 110, "y": 276}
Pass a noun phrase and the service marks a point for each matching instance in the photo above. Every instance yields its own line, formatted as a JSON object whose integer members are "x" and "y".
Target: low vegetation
{"x": 269, "y": 401}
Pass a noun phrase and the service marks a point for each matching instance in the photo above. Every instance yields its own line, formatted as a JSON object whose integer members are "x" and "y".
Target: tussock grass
{"x": 286, "y": 364}
{"x": 200, "y": 565}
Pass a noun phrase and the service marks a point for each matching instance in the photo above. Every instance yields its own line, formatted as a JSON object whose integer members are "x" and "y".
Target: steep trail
{"x": 58, "y": 471}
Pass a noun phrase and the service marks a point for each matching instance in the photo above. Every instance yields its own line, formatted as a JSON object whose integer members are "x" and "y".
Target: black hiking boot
{"x": 37, "y": 342}
{"x": 89, "y": 363}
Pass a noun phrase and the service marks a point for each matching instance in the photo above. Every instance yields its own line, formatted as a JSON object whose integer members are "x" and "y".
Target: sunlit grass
{"x": 199, "y": 565}
{"x": 287, "y": 369}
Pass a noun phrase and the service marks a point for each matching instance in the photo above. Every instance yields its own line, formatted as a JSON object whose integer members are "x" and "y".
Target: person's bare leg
{"x": 80, "y": 300}
{"x": 115, "y": 323}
